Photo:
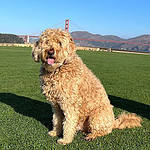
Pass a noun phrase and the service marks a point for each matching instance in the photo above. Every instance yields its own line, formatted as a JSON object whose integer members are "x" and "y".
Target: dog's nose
{"x": 51, "y": 52}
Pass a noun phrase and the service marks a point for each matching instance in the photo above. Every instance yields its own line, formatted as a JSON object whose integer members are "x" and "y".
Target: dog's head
{"x": 54, "y": 47}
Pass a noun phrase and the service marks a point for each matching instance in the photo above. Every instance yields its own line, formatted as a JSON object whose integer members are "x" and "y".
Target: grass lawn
{"x": 25, "y": 115}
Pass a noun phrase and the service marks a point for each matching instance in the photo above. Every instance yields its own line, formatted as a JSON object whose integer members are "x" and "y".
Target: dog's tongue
{"x": 50, "y": 61}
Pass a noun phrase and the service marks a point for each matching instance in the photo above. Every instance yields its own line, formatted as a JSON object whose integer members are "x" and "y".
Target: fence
{"x": 16, "y": 45}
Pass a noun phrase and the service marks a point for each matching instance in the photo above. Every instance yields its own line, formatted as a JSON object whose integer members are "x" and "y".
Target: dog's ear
{"x": 36, "y": 52}
{"x": 72, "y": 45}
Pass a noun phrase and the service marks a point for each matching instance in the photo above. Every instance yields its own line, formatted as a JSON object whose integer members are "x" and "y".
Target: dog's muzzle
{"x": 50, "y": 57}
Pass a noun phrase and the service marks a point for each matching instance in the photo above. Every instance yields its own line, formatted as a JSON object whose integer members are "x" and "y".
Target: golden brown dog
{"x": 78, "y": 98}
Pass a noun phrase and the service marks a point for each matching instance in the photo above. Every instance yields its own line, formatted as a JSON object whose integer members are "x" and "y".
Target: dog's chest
{"x": 52, "y": 87}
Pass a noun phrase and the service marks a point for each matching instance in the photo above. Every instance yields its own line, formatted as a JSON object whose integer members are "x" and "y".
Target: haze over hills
{"x": 134, "y": 47}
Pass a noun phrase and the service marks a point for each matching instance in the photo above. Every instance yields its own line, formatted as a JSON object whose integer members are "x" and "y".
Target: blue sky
{"x": 124, "y": 18}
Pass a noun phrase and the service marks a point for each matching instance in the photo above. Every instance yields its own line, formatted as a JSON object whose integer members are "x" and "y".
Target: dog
{"x": 77, "y": 96}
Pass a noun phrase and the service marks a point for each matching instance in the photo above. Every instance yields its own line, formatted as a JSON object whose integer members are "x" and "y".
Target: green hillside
{"x": 10, "y": 38}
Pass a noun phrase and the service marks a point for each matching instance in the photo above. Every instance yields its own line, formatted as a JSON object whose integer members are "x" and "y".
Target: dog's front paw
{"x": 90, "y": 137}
{"x": 52, "y": 133}
{"x": 63, "y": 141}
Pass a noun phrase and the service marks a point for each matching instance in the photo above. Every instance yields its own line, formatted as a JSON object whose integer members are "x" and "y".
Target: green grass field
{"x": 25, "y": 115}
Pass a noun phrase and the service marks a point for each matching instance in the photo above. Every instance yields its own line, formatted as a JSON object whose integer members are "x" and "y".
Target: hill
{"x": 10, "y": 38}
{"x": 134, "y": 47}
{"x": 87, "y": 35}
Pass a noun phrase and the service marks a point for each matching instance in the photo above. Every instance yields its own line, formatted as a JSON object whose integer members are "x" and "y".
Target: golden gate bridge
{"x": 26, "y": 38}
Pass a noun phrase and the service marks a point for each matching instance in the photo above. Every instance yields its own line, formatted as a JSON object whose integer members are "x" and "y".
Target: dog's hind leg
{"x": 69, "y": 126}
{"x": 57, "y": 122}
{"x": 101, "y": 123}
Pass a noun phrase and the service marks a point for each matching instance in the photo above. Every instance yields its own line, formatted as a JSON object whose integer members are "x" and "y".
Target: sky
{"x": 124, "y": 18}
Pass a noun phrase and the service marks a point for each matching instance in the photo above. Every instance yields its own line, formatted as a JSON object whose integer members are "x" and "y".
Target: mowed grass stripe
{"x": 25, "y": 115}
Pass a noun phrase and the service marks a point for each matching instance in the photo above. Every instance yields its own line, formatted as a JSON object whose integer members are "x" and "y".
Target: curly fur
{"x": 78, "y": 98}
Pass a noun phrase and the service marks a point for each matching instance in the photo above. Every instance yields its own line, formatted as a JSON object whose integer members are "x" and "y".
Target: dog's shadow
{"x": 42, "y": 111}
{"x": 38, "y": 110}
{"x": 131, "y": 106}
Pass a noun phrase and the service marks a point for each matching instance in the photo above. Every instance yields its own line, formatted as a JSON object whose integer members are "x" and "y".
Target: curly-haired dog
{"x": 78, "y": 98}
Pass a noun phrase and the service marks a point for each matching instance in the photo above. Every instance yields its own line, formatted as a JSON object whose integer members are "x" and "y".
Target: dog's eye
{"x": 37, "y": 42}
{"x": 60, "y": 43}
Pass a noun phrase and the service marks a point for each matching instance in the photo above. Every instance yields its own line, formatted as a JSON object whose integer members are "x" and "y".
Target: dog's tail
{"x": 127, "y": 121}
